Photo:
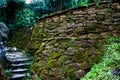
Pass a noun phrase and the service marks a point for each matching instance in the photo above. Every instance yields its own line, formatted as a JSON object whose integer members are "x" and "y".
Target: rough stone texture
{"x": 67, "y": 44}
{"x": 2, "y": 74}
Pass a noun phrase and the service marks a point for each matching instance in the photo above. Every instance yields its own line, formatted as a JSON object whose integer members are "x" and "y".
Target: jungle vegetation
{"x": 24, "y": 13}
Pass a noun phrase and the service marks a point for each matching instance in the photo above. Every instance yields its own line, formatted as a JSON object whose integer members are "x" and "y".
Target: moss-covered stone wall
{"x": 66, "y": 45}
{"x": 2, "y": 74}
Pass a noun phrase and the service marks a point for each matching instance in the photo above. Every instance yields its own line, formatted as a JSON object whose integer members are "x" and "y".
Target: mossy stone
{"x": 62, "y": 59}
{"x": 53, "y": 63}
{"x": 79, "y": 57}
{"x": 55, "y": 55}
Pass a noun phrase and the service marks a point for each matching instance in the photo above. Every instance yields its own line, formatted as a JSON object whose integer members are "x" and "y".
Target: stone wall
{"x": 2, "y": 74}
{"x": 66, "y": 45}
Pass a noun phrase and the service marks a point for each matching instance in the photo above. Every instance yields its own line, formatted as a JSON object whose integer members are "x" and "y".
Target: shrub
{"x": 110, "y": 62}
{"x": 25, "y": 18}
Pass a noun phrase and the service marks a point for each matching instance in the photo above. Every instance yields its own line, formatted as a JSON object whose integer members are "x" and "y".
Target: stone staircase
{"x": 18, "y": 65}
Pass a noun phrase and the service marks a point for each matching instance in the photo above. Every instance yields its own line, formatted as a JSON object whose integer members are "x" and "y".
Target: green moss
{"x": 69, "y": 15}
{"x": 79, "y": 57}
{"x": 109, "y": 62}
{"x": 81, "y": 20}
{"x": 64, "y": 45}
{"x": 40, "y": 49}
{"x": 38, "y": 33}
{"x": 92, "y": 27}
{"x": 52, "y": 42}
{"x": 108, "y": 10}
{"x": 69, "y": 43}
{"x": 53, "y": 60}
{"x": 60, "y": 21}
{"x": 85, "y": 65}
{"x": 62, "y": 59}
{"x": 53, "y": 63}
{"x": 34, "y": 46}
{"x": 55, "y": 55}
{"x": 69, "y": 72}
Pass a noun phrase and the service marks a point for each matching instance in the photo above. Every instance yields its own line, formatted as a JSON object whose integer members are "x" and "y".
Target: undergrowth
{"x": 110, "y": 61}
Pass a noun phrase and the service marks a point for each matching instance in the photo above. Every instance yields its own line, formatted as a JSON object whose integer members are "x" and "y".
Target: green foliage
{"x": 3, "y": 1}
{"x": 2, "y": 18}
{"x": 2, "y": 15}
{"x": 109, "y": 62}
{"x": 57, "y": 5}
{"x": 17, "y": 13}
{"x": 71, "y": 73}
{"x": 25, "y": 18}
{"x": 97, "y": 2}
{"x": 83, "y": 2}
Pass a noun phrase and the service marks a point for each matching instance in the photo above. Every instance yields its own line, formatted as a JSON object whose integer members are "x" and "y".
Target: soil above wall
{"x": 66, "y": 45}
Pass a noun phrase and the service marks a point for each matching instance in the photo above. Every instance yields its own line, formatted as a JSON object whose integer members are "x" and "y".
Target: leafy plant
{"x": 25, "y": 18}
{"x": 83, "y": 2}
{"x": 109, "y": 62}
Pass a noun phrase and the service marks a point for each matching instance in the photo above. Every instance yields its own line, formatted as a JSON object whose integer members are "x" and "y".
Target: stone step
{"x": 18, "y": 76}
{"x": 20, "y": 65}
{"x": 15, "y": 54}
{"x": 13, "y": 57}
{"x": 11, "y": 49}
{"x": 19, "y": 60}
{"x": 18, "y": 70}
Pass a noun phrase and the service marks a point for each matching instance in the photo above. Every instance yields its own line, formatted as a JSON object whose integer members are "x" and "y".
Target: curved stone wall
{"x": 66, "y": 45}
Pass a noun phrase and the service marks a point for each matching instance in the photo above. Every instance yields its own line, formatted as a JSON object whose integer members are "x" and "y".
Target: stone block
{"x": 80, "y": 73}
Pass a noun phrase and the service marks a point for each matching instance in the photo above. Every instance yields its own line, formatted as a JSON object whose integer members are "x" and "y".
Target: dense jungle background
{"x": 21, "y": 13}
